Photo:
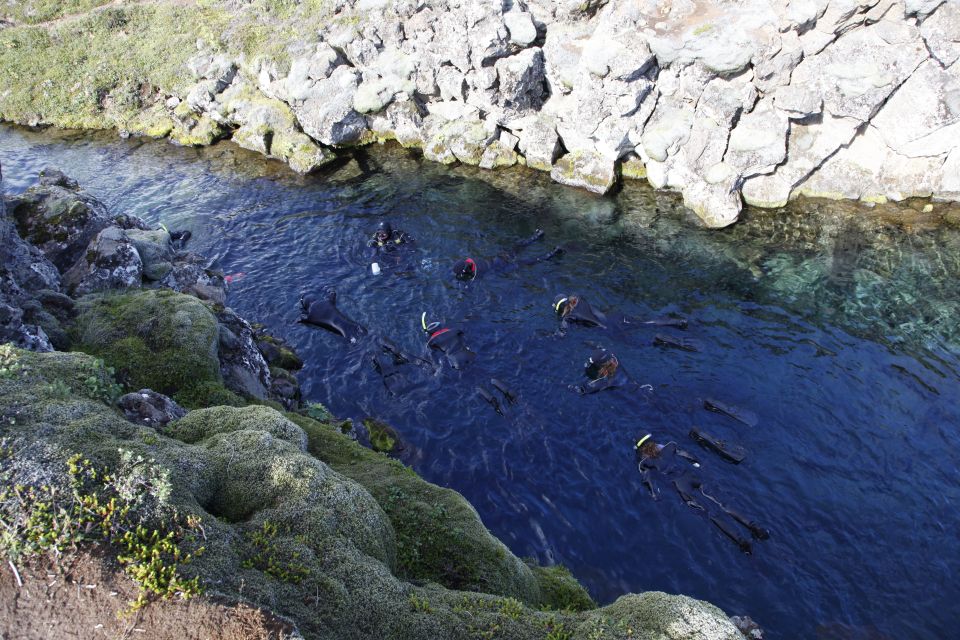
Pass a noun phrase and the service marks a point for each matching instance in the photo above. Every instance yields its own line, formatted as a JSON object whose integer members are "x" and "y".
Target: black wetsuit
{"x": 676, "y": 466}
{"x": 616, "y": 380}
{"x": 386, "y": 357}
{"x": 505, "y": 261}
{"x": 394, "y": 241}
{"x": 577, "y": 310}
{"x": 324, "y": 313}
{"x": 451, "y": 344}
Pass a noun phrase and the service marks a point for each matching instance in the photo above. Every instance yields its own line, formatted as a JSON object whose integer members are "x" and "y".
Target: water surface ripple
{"x": 839, "y": 332}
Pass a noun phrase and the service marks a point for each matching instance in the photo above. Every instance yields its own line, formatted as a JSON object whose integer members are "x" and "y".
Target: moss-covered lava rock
{"x": 156, "y": 339}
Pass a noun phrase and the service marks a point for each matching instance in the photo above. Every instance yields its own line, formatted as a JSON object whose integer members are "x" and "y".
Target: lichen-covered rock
{"x": 590, "y": 171}
{"x": 155, "y": 251}
{"x": 611, "y": 78}
{"x": 242, "y": 365}
{"x": 661, "y": 616}
{"x": 149, "y": 408}
{"x": 112, "y": 262}
{"x": 59, "y": 219}
{"x": 201, "y": 424}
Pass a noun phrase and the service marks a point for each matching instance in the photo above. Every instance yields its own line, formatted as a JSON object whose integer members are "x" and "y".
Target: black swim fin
{"x": 505, "y": 390}
{"x": 674, "y": 323}
{"x": 732, "y": 533}
{"x": 730, "y": 452}
{"x": 684, "y": 344}
{"x": 491, "y": 399}
{"x": 740, "y": 415}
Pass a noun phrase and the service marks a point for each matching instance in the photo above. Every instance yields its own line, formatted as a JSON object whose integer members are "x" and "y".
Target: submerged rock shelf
{"x": 755, "y": 101}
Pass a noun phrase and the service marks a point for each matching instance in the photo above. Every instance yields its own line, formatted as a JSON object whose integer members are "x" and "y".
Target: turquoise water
{"x": 836, "y": 325}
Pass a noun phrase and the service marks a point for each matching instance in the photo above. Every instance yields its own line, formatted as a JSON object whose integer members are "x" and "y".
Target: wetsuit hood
{"x": 384, "y": 231}
{"x": 465, "y": 269}
{"x": 560, "y": 303}
{"x": 601, "y": 364}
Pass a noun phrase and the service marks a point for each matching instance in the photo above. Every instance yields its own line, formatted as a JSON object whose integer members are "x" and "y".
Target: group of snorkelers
{"x": 658, "y": 463}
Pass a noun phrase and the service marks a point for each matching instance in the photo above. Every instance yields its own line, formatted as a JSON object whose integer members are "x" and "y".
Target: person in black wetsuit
{"x": 469, "y": 268}
{"x": 574, "y": 309}
{"x": 604, "y": 372}
{"x": 674, "y": 465}
{"x": 451, "y": 343}
{"x": 386, "y": 238}
{"x": 321, "y": 311}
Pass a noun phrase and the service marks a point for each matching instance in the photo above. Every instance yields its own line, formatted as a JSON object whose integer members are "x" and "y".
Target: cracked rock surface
{"x": 729, "y": 101}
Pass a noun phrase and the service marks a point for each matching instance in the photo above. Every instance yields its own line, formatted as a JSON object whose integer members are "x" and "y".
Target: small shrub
{"x": 100, "y": 506}
{"x": 9, "y": 363}
{"x": 421, "y": 605}
{"x": 272, "y": 558}
{"x": 318, "y": 412}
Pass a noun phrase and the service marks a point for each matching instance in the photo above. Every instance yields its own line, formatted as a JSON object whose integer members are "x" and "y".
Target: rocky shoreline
{"x": 156, "y": 459}
{"x": 728, "y": 102}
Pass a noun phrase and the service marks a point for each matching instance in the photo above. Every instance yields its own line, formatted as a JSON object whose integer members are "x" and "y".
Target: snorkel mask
{"x": 428, "y": 328}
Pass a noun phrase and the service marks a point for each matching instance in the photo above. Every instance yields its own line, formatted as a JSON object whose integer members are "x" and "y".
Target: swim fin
{"x": 505, "y": 390}
{"x": 730, "y": 452}
{"x": 491, "y": 399}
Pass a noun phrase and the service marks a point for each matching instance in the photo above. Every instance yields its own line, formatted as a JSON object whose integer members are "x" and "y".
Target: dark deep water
{"x": 839, "y": 332}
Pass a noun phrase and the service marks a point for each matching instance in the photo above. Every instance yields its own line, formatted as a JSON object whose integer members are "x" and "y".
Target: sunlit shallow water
{"x": 836, "y": 325}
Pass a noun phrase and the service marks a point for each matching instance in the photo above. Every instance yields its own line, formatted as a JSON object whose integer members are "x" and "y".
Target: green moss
{"x": 560, "y": 591}
{"x": 155, "y": 339}
{"x": 440, "y": 537}
{"x": 383, "y": 437}
{"x": 37, "y": 11}
{"x": 284, "y": 530}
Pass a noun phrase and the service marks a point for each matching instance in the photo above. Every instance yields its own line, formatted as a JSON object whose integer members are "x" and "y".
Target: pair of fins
{"x": 491, "y": 399}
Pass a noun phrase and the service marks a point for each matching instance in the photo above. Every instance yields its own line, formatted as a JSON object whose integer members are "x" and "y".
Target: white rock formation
{"x": 726, "y": 101}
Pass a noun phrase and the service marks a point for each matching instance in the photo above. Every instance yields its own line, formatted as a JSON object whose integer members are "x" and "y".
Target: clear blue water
{"x": 837, "y": 326}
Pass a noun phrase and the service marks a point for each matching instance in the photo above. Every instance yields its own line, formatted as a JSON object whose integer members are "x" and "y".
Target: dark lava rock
{"x": 150, "y": 408}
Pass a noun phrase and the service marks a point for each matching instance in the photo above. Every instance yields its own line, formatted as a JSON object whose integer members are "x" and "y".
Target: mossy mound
{"x": 440, "y": 537}
{"x": 155, "y": 339}
{"x": 319, "y": 543}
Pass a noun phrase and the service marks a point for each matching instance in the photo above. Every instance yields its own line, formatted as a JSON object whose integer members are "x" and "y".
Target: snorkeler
{"x": 387, "y": 238}
{"x": 603, "y": 372}
{"x": 673, "y": 464}
{"x": 469, "y": 268}
{"x": 321, "y": 311}
{"x": 574, "y": 309}
{"x": 386, "y": 357}
{"x": 451, "y": 343}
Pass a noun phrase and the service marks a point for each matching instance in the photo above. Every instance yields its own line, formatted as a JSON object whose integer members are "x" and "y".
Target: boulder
{"x": 112, "y": 262}
{"x": 155, "y": 251}
{"x": 857, "y": 73}
{"x": 923, "y": 117}
{"x": 149, "y": 408}
{"x": 759, "y": 141}
{"x": 941, "y": 32}
{"x": 590, "y": 171}
{"x": 59, "y": 220}
{"x": 242, "y": 365}
{"x": 521, "y": 80}
{"x": 520, "y": 26}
